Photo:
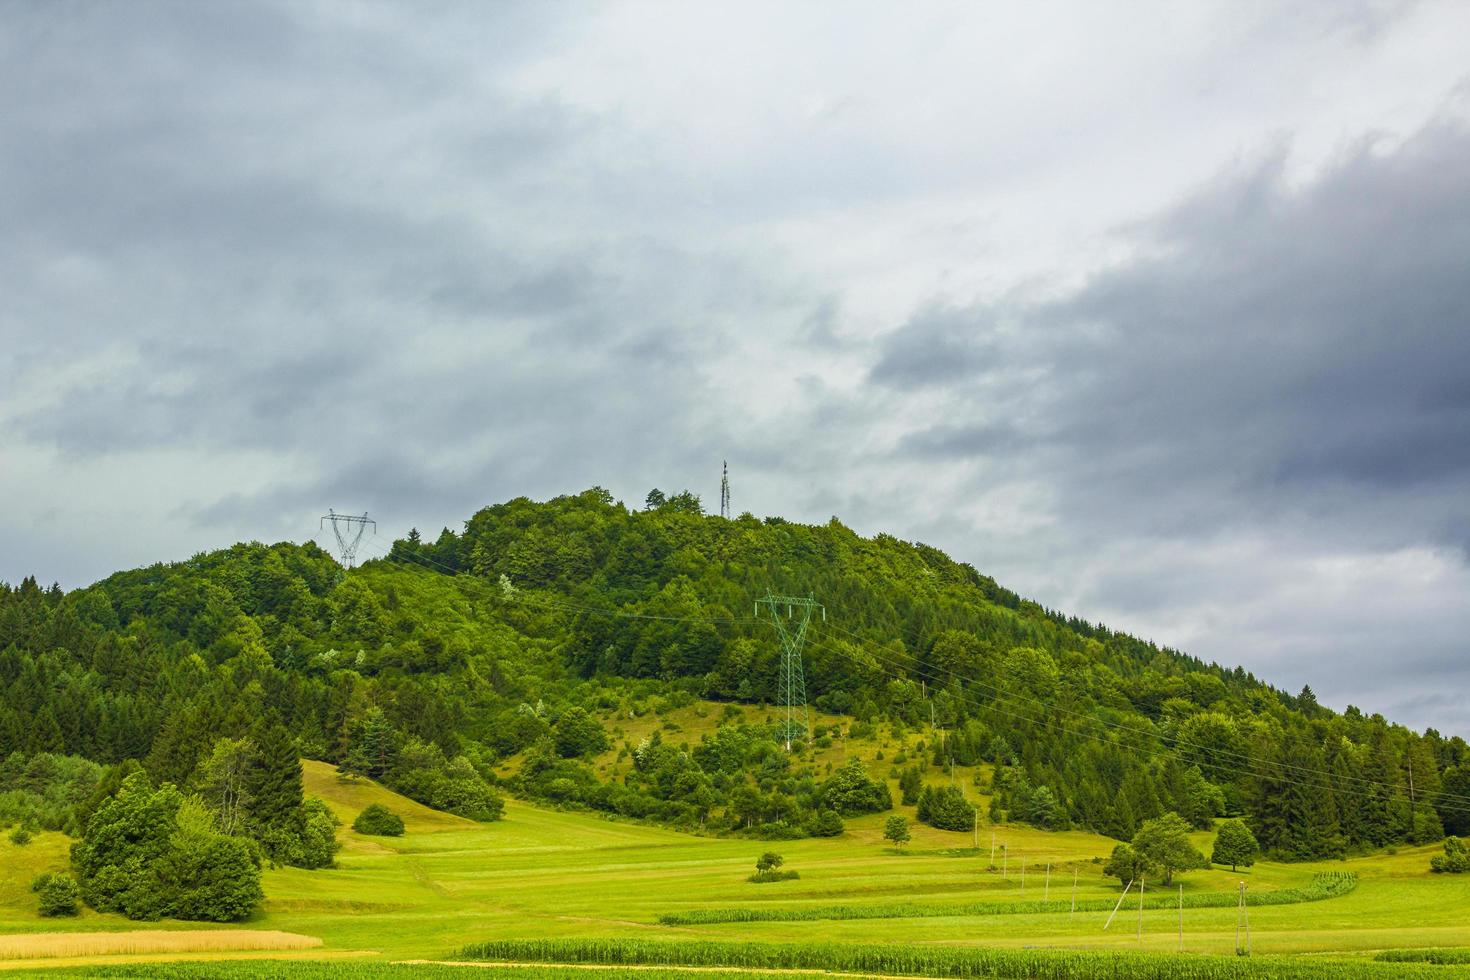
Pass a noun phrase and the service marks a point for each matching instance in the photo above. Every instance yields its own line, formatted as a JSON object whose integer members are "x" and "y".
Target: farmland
{"x": 543, "y": 876}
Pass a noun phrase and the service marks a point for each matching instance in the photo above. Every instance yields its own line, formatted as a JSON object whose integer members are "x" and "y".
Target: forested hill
{"x": 430, "y": 666}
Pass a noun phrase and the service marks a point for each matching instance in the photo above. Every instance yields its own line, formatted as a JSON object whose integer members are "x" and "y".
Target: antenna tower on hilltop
{"x": 349, "y": 530}
{"x": 792, "y": 615}
{"x": 725, "y": 490}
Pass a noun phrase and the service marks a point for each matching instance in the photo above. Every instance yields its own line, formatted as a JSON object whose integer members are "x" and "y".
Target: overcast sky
{"x": 1160, "y": 314}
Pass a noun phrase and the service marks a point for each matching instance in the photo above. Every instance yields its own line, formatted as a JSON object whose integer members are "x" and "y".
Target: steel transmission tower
{"x": 349, "y": 530}
{"x": 790, "y": 680}
{"x": 725, "y": 491}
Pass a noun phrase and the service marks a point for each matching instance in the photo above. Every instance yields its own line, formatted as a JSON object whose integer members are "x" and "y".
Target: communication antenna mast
{"x": 725, "y": 490}
{"x": 349, "y": 529}
{"x": 792, "y": 615}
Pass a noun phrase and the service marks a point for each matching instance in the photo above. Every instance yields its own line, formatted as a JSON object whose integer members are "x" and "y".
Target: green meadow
{"x": 541, "y": 874}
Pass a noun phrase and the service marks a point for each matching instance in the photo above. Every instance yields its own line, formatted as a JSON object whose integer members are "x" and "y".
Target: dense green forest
{"x": 430, "y": 666}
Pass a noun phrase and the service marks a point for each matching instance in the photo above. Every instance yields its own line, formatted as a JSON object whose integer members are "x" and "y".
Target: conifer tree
{"x": 274, "y": 781}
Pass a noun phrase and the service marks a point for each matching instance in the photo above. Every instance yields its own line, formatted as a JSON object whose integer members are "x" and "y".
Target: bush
{"x": 20, "y": 836}
{"x": 378, "y": 821}
{"x": 826, "y": 824}
{"x": 1454, "y": 860}
{"x": 58, "y": 892}
{"x": 766, "y": 869}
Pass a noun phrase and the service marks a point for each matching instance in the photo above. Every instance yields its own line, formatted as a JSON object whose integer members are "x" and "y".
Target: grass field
{"x": 542, "y": 874}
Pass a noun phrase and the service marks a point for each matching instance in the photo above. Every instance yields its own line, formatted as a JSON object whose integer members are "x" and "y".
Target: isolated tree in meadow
{"x": 769, "y": 862}
{"x": 1164, "y": 841}
{"x": 897, "y": 830}
{"x": 1235, "y": 845}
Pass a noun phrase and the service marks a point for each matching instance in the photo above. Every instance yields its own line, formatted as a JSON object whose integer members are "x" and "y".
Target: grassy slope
{"x": 543, "y": 873}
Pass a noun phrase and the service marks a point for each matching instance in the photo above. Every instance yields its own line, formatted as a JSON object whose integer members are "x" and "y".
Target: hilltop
{"x": 539, "y": 652}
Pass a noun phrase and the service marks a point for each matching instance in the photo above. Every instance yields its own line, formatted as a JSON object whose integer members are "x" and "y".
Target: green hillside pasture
{"x": 921, "y": 961}
{"x": 543, "y": 874}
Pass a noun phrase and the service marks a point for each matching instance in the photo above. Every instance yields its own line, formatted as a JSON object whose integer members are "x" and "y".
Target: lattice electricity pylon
{"x": 349, "y": 530}
{"x": 790, "y": 680}
{"x": 725, "y": 491}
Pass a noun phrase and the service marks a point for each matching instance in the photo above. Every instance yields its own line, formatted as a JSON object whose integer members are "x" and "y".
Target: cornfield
{"x": 50, "y": 945}
{"x": 1441, "y": 956}
{"x": 947, "y": 961}
{"x": 1327, "y": 884}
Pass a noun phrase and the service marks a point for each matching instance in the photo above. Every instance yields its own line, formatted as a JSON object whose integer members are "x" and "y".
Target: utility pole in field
{"x": 1140, "y": 908}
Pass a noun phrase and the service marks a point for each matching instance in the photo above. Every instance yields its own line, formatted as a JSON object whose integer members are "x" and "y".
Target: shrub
{"x": 766, "y": 869}
{"x": 1454, "y": 860}
{"x": 378, "y": 821}
{"x": 827, "y": 823}
{"x": 20, "y": 836}
{"x": 58, "y": 892}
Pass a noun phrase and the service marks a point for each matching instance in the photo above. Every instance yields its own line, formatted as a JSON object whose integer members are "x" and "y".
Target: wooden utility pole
{"x": 1140, "y": 908}
{"x": 1239, "y": 917}
{"x": 1181, "y": 918}
{"x": 1022, "y": 859}
{"x": 1074, "y": 893}
{"x": 1046, "y": 892}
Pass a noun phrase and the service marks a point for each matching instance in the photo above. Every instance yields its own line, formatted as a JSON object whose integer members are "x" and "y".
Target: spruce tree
{"x": 274, "y": 781}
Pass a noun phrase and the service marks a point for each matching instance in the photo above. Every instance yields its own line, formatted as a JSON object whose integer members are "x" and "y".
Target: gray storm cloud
{"x": 258, "y": 261}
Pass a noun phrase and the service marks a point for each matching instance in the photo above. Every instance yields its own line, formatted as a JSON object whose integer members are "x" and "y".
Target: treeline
{"x": 429, "y": 667}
